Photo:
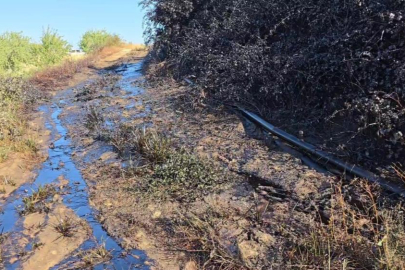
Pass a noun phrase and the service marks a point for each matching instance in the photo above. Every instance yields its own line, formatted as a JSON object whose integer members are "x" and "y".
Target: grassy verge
{"x": 54, "y": 77}
{"x": 20, "y": 58}
{"x": 16, "y": 95}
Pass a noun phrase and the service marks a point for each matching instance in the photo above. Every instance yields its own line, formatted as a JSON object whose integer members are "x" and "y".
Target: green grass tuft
{"x": 37, "y": 201}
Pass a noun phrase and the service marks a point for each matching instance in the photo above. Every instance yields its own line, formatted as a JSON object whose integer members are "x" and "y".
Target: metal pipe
{"x": 347, "y": 167}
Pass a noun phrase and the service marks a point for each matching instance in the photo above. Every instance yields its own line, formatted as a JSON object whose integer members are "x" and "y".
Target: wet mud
{"x": 32, "y": 240}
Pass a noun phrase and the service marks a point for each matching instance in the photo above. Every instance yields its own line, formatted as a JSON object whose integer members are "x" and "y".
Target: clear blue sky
{"x": 73, "y": 17}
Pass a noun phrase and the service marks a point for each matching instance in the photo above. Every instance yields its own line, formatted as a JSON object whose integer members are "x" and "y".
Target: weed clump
{"x": 65, "y": 227}
{"x": 152, "y": 146}
{"x": 94, "y": 118}
{"x": 184, "y": 176}
{"x": 95, "y": 256}
{"x": 368, "y": 235}
{"x": 37, "y": 202}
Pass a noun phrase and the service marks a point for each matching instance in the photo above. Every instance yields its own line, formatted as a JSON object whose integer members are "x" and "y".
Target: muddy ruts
{"x": 77, "y": 199}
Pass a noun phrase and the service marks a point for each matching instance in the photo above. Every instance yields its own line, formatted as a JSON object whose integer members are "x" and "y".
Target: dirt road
{"x": 47, "y": 221}
{"x": 143, "y": 174}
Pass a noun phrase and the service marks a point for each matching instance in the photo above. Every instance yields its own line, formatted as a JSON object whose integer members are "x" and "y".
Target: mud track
{"x": 274, "y": 185}
{"x": 263, "y": 209}
{"x": 48, "y": 223}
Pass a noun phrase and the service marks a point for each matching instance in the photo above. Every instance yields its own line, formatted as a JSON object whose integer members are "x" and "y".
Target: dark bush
{"x": 344, "y": 60}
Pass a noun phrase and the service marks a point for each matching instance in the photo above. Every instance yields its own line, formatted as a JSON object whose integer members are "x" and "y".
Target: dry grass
{"x": 65, "y": 226}
{"x": 139, "y": 47}
{"x": 153, "y": 146}
{"x": 198, "y": 236}
{"x": 399, "y": 171}
{"x": 52, "y": 78}
{"x": 95, "y": 256}
{"x": 367, "y": 236}
{"x": 361, "y": 233}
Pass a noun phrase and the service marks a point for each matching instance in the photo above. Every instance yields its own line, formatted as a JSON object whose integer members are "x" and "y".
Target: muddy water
{"x": 77, "y": 198}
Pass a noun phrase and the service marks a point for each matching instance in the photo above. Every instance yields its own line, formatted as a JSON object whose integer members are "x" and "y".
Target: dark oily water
{"x": 77, "y": 199}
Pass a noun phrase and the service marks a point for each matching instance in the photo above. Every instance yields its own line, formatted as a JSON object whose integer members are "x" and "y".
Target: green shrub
{"x": 19, "y": 56}
{"x": 183, "y": 176}
{"x": 94, "y": 40}
{"x": 53, "y": 48}
{"x": 16, "y": 52}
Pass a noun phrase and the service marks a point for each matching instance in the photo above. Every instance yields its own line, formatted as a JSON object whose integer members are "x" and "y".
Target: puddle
{"x": 77, "y": 198}
{"x": 130, "y": 73}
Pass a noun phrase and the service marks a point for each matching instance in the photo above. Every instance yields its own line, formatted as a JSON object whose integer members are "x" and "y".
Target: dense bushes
{"x": 20, "y": 56}
{"x": 16, "y": 52}
{"x": 342, "y": 60}
{"x": 95, "y": 40}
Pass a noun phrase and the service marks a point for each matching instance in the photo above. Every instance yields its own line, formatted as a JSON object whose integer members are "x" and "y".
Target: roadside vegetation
{"x": 28, "y": 70}
{"x": 16, "y": 95}
{"x": 329, "y": 70}
{"x": 94, "y": 40}
{"x": 19, "y": 56}
{"x": 333, "y": 70}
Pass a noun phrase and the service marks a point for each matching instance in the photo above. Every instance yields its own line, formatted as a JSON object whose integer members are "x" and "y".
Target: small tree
{"x": 94, "y": 40}
{"x": 53, "y": 48}
{"x": 16, "y": 50}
